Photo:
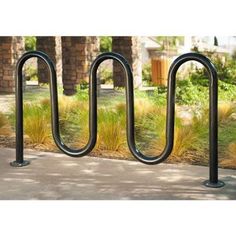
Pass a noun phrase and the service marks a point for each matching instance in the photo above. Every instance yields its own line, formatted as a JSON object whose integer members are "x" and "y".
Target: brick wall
{"x": 11, "y": 48}
{"x": 77, "y": 56}
{"x": 73, "y": 54}
{"x": 52, "y": 47}
{"x": 130, "y": 48}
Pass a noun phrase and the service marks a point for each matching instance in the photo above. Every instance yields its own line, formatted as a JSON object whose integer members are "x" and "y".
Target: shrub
{"x": 106, "y": 76}
{"x": 105, "y": 44}
{"x": 199, "y": 78}
{"x": 189, "y": 94}
{"x": 31, "y": 73}
{"x": 82, "y": 94}
{"x": 191, "y": 140}
{"x": 225, "y": 67}
{"x": 227, "y": 92}
{"x": 146, "y": 74}
{"x": 157, "y": 96}
{"x": 30, "y": 43}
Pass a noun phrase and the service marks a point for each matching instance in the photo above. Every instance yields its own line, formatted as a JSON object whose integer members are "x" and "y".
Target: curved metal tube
{"x": 54, "y": 111}
{"x": 130, "y": 127}
{"x": 129, "y": 90}
{"x": 130, "y": 124}
{"x": 170, "y": 114}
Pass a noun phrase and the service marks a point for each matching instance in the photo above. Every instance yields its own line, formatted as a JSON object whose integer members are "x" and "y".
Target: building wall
{"x": 130, "y": 48}
{"x": 77, "y": 56}
{"x": 11, "y": 48}
{"x": 72, "y": 57}
{"x": 52, "y": 47}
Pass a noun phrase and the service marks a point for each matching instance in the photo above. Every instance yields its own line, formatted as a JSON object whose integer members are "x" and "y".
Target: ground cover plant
{"x": 191, "y": 135}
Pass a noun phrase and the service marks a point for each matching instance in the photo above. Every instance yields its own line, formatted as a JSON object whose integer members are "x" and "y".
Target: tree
{"x": 105, "y": 44}
{"x": 170, "y": 42}
{"x": 30, "y": 43}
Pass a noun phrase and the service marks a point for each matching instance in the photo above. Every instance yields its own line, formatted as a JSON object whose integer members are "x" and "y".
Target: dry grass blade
{"x": 225, "y": 110}
{"x": 230, "y": 161}
{"x": 184, "y": 138}
{"x": 37, "y": 124}
{"x": 111, "y": 130}
{"x": 5, "y": 128}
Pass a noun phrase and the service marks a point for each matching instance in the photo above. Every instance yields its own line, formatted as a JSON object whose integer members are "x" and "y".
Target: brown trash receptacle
{"x": 160, "y": 67}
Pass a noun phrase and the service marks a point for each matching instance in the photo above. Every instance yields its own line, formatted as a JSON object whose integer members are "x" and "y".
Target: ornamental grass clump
{"x": 5, "y": 128}
{"x": 111, "y": 130}
{"x": 37, "y": 125}
{"x": 225, "y": 110}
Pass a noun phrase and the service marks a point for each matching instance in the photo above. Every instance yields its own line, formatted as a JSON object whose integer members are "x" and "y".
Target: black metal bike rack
{"x": 130, "y": 128}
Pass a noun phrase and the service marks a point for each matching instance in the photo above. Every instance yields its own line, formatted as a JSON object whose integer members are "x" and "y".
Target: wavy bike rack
{"x": 130, "y": 128}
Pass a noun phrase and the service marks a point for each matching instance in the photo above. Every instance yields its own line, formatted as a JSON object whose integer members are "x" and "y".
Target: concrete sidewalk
{"x": 56, "y": 176}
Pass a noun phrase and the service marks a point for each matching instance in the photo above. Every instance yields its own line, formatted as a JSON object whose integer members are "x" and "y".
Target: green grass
{"x": 42, "y": 92}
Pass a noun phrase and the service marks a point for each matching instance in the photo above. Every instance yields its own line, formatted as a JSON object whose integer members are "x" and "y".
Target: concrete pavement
{"x": 55, "y": 176}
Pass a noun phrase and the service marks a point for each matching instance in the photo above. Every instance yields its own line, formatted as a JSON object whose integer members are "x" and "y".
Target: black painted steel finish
{"x": 213, "y": 109}
{"x": 130, "y": 118}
